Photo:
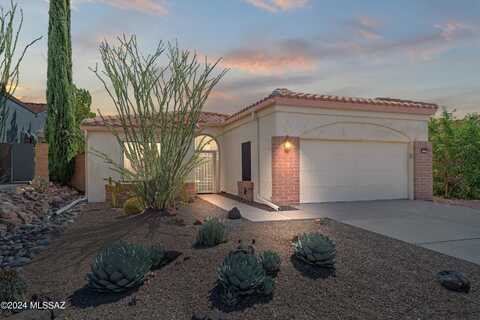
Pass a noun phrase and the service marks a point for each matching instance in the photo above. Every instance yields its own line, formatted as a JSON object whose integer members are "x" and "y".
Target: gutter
{"x": 259, "y": 197}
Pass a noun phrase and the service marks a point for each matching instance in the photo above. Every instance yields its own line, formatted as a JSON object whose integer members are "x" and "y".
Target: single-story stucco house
{"x": 301, "y": 148}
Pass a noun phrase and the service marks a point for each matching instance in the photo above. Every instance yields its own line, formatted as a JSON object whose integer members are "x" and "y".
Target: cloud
{"x": 367, "y": 28}
{"x": 452, "y": 29}
{"x": 369, "y": 35}
{"x": 278, "y": 5}
{"x": 153, "y": 7}
{"x": 262, "y": 61}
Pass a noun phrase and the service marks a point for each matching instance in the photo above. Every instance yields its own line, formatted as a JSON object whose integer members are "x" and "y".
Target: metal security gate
{"x": 205, "y": 173}
{"x": 17, "y": 162}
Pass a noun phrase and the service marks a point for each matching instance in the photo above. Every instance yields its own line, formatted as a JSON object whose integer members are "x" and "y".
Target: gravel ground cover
{"x": 376, "y": 277}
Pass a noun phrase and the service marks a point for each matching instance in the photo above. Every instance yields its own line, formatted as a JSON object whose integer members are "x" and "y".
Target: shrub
{"x": 157, "y": 256}
{"x": 133, "y": 206}
{"x": 271, "y": 262}
{"x": 119, "y": 268}
{"x": 242, "y": 274}
{"x": 211, "y": 233}
{"x": 316, "y": 249}
{"x": 12, "y": 286}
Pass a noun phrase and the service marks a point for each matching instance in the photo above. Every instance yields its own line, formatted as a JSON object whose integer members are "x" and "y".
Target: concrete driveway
{"x": 451, "y": 230}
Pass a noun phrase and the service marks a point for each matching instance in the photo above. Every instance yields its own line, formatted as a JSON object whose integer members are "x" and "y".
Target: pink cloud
{"x": 154, "y": 7}
{"x": 369, "y": 35}
{"x": 263, "y": 62}
{"x": 278, "y": 5}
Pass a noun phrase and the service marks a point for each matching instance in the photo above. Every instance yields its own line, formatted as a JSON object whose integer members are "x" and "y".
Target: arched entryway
{"x": 206, "y": 172}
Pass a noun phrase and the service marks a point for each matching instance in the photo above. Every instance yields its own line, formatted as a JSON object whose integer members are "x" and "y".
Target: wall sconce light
{"x": 423, "y": 150}
{"x": 287, "y": 145}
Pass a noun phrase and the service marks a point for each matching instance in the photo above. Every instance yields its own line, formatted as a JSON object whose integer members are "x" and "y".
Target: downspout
{"x": 259, "y": 197}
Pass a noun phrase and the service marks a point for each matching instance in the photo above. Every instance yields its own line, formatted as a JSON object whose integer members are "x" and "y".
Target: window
{"x": 246, "y": 161}
{"x": 126, "y": 162}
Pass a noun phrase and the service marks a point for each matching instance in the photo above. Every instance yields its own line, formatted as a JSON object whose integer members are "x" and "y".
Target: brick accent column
{"x": 41, "y": 161}
{"x": 423, "y": 176}
{"x": 285, "y": 171}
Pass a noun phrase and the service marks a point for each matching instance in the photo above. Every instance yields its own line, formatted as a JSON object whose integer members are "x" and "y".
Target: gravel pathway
{"x": 377, "y": 277}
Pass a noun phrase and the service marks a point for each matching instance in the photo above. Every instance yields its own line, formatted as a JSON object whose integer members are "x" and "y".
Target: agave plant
{"x": 316, "y": 249}
{"x": 242, "y": 274}
{"x": 12, "y": 286}
{"x": 158, "y": 256}
{"x": 211, "y": 233}
{"x": 119, "y": 267}
{"x": 271, "y": 262}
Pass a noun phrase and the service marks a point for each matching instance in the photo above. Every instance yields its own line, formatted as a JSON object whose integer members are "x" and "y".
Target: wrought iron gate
{"x": 17, "y": 162}
{"x": 205, "y": 173}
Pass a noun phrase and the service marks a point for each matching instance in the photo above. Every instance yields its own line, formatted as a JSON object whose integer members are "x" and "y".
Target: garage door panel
{"x": 349, "y": 171}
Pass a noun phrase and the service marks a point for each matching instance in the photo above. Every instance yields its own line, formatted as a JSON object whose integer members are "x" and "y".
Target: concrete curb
{"x": 70, "y": 205}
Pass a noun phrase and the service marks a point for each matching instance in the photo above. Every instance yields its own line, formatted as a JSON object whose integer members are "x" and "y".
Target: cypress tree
{"x": 60, "y": 130}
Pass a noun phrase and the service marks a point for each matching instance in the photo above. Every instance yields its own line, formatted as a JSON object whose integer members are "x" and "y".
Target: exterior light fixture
{"x": 287, "y": 145}
{"x": 423, "y": 150}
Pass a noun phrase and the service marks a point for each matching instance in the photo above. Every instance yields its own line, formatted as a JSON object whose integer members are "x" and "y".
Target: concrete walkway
{"x": 248, "y": 212}
{"x": 452, "y": 230}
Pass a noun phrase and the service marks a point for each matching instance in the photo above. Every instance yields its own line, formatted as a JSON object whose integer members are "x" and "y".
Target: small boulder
{"x": 197, "y": 222}
{"x": 454, "y": 281}
{"x": 234, "y": 214}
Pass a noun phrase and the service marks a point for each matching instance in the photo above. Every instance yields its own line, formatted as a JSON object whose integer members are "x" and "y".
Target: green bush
{"x": 242, "y": 274}
{"x": 133, "y": 206}
{"x": 456, "y": 156}
{"x": 271, "y": 262}
{"x": 119, "y": 268}
{"x": 316, "y": 249}
{"x": 12, "y": 286}
{"x": 211, "y": 233}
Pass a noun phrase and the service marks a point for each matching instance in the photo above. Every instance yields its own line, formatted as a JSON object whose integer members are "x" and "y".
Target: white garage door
{"x": 351, "y": 171}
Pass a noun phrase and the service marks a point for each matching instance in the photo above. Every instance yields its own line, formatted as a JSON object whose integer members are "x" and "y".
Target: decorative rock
{"x": 234, "y": 214}
{"x": 27, "y": 223}
{"x": 454, "y": 281}
{"x": 197, "y": 222}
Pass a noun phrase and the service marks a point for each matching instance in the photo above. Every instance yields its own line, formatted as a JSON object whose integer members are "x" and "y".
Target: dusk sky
{"x": 413, "y": 49}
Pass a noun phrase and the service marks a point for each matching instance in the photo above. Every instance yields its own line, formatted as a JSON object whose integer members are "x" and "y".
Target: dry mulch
{"x": 376, "y": 278}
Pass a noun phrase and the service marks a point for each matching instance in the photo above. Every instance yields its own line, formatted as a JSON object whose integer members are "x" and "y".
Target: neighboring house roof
{"x": 36, "y": 107}
{"x": 287, "y": 97}
{"x": 297, "y": 99}
{"x": 206, "y": 119}
{"x": 31, "y": 106}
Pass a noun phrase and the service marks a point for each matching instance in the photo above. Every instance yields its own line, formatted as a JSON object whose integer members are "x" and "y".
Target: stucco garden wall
{"x": 97, "y": 169}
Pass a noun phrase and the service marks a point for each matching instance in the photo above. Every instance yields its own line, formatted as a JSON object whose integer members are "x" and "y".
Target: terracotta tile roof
{"x": 206, "y": 118}
{"x": 33, "y": 107}
{"x": 287, "y": 97}
{"x": 36, "y": 107}
{"x": 387, "y": 102}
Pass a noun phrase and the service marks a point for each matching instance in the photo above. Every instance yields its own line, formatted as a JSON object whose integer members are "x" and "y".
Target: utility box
{"x": 245, "y": 190}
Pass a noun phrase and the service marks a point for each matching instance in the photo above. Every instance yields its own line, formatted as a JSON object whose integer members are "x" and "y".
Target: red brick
{"x": 285, "y": 171}
{"x": 423, "y": 176}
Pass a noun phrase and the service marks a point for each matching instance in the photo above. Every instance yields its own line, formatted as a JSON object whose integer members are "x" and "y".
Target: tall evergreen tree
{"x": 60, "y": 129}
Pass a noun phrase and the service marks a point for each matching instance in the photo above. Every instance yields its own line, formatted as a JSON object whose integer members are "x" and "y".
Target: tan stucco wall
{"x": 309, "y": 123}
{"x": 97, "y": 169}
{"x": 233, "y": 137}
